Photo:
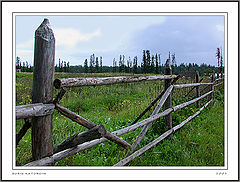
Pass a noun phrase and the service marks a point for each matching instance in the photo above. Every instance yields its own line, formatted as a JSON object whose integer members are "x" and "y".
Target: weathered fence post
{"x": 212, "y": 80}
{"x": 168, "y": 103}
{"x": 197, "y": 89}
{"x": 42, "y": 91}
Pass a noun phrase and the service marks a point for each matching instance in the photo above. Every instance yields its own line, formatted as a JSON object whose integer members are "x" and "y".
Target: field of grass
{"x": 198, "y": 143}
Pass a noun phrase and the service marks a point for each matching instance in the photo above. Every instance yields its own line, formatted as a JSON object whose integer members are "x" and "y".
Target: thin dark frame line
{"x": 121, "y": 15}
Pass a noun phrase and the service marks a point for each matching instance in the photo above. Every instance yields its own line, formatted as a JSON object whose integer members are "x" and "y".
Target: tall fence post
{"x": 197, "y": 89}
{"x": 42, "y": 91}
{"x": 168, "y": 103}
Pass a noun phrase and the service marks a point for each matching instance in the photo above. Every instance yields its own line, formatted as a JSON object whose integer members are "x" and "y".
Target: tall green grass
{"x": 198, "y": 143}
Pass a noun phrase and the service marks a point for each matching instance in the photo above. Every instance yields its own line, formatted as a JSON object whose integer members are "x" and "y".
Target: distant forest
{"x": 148, "y": 64}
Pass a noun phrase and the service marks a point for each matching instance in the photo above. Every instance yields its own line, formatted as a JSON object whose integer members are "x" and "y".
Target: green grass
{"x": 198, "y": 143}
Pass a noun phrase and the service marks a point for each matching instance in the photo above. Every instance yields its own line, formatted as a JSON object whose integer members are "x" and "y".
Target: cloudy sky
{"x": 192, "y": 38}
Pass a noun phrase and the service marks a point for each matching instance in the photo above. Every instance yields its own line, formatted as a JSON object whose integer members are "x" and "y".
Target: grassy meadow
{"x": 199, "y": 143}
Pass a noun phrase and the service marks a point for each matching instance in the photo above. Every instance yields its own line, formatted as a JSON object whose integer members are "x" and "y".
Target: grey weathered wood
{"x": 71, "y": 151}
{"x": 79, "y": 138}
{"x": 68, "y": 152}
{"x": 23, "y": 130}
{"x": 193, "y": 88}
{"x": 60, "y": 95}
{"x": 89, "y": 124}
{"x": 180, "y": 106}
{"x": 148, "y": 108}
{"x": 42, "y": 90}
{"x": 156, "y": 141}
{"x": 156, "y": 110}
{"x": 191, "y": 117}
{"x": 168, "y": 102}
{"x": 31, "y": 110}
{"x": 218, "y": 84}
{"x": 219, "y": 79}
{"x": 78, "y": 82}
{"x": 197, "y": 89}
{"x": 191, "y": 85}
{"x": 154, "y": 101}
{"x": 212, "y": 79}
{"x": 144, "y": 149}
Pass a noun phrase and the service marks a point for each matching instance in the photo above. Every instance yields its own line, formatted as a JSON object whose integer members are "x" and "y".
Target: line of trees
{"x": 62, "y": 66}
{"x": 95, "y": 65}
{"x": 150, "y": 63}
{"x": 23, "y": 66}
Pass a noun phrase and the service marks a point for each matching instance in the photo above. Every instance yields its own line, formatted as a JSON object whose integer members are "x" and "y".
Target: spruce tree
{"x": 156, "y": 65}
{"x": 97, "y": 65}
{"x": 135, "y": 65}
{"x": 148, "y": 62}
{"x": 144, "y": 63}
{"x": 86, "y": 66}
{"x": 91, "y": 64}
{"x": 152, "y": 65}
{"x": 101, "y": 68}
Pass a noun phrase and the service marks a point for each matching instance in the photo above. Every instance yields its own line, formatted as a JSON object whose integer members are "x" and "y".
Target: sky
{"x": 193, "y": 39}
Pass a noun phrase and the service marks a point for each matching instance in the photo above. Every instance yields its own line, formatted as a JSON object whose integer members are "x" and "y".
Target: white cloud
{"x": 69, "y": 37}
{"x": 27, "y": 44}
{"x": 220, "y": 28}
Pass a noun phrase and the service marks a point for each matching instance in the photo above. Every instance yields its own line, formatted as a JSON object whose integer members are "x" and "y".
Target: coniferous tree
{"x": 65, "y": 67}
{"x": 68, "y": 66}
{"x": 123, "y": 63}
{"x": 160, "y": 65}
{"x": 152, "y": 66}
{"x": 120, "y": 64}
{"x": 18, "y": 62}
{"x": 114, "y": 65}
{"x": 156, "y": 65}
{"x": 86, "y": 66}
{"x": 59, "y": 65}
{"x": 221, "y": 63}
{"x": 148, "y": 61}
{"x": 144, "y": 63}
{"x": 101, "y": 67}
{"x": 218, "y": 59}
{"x": 91, "y": 64}
{"x": 135, "y": 66}
{"x": 97, "y": 65}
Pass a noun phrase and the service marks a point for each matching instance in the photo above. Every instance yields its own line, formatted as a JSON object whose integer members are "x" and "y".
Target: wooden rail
{"x": 33, "y": 110}
{"x": 41, "y": 111}
{"x": 88, "y": 124}
{"x": 156, "y": 141}
{"x": 71, "y": 151}
{"x": 79, "y": 82}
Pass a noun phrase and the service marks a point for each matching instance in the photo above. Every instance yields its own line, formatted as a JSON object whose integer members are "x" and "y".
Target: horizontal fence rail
{"x": 39, "y": 116}
{"x": 191, "y": 85}
{"x": 78, "y": 82}
{"x": 80, "y": 147}
{"x": 156, "y": 141}
{"x": 31, "y": 110}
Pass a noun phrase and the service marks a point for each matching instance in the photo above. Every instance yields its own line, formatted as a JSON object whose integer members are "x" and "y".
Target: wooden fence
{"x": 41, "y": 111}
